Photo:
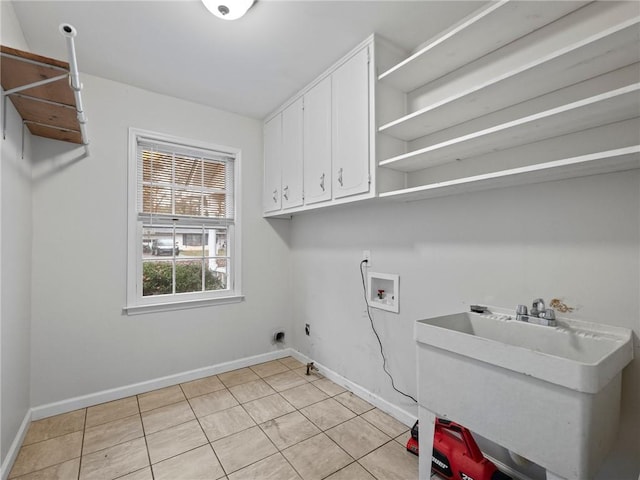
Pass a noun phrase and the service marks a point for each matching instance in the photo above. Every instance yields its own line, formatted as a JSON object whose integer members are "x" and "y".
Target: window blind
{"x": 178, "y": 183}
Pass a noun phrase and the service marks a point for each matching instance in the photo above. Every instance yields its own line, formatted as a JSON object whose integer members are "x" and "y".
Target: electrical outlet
{"x": 366, "y": 255}
{"x": 307, "y": 329}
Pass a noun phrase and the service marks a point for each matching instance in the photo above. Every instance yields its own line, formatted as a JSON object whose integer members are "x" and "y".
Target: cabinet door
{"x": 292, "y": 155}
{"x": 271, "y": 197}
{"x": 350, "y": 126}
{"x": 317, "y": 143}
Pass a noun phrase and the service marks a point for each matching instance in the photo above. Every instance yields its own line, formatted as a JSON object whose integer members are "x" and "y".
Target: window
{"x": 183, "y": 225}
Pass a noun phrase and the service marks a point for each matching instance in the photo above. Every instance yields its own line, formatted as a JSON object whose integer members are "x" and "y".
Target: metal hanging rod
{"x": 69, "y": 32}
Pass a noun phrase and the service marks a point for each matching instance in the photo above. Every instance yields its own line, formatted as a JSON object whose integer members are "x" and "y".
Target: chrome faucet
{"x": 538, "y": 307}
{"x": 538, "y": 314}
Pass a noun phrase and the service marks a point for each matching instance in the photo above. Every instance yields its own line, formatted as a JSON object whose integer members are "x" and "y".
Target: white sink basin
{"x": 578, "y": 355}
{"x": 550, "y": 394}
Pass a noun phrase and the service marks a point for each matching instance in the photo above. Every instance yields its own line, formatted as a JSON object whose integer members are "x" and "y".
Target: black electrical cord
{"x": 384, "y": 359}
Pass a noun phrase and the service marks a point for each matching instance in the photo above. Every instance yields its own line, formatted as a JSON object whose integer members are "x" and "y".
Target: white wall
{"x": 82, "y": 343}
{"x": 15, "y": 260}
{"x": 577, "y": 240}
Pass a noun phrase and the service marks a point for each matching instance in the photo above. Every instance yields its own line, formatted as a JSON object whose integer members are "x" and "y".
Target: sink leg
{"x": 553, "y": 476}
{"x": 427, "y": 429}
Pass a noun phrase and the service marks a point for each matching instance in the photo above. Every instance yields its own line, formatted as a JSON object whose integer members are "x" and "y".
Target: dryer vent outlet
{"x": 278, "y": 336}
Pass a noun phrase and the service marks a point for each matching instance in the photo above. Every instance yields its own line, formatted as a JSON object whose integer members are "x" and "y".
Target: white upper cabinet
{"x": 292, "y": 155}
{"x": 271, "y": 197}
{"x": 326, "y": 153}
{"x": 350, "y": 126}
{"x": 317, "y": 143}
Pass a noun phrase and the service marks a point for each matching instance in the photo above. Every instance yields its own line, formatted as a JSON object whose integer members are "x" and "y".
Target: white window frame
{"x": 136, "y": 302}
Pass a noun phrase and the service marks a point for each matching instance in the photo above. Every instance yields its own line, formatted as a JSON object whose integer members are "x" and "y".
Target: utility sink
{"x": 549, "y": 394}
{"x": 577, "y": 355}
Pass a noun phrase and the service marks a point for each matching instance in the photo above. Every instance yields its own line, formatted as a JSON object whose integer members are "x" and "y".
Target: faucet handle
{"x": 521, "y": 313}
{"x": 549, "y": 316}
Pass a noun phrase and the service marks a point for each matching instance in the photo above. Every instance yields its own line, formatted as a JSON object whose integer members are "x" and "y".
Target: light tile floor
{"x": 270, "y": 421}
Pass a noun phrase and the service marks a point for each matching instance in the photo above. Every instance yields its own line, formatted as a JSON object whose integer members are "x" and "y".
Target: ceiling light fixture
{"x": 228, "y": 9}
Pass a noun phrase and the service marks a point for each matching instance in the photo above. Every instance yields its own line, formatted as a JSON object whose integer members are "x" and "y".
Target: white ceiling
{"x": 248, "y": 66}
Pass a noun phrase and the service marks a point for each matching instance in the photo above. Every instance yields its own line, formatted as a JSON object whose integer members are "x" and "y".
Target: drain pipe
{"x": 311, "y": 368}
{"x": 69, "y": 32}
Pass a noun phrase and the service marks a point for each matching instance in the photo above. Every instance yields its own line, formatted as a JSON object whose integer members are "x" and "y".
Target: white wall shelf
{"x": 610, "y": 49}
{"x": 621, "y": 159}
{"x": 515, "y": 93}
{"x": 609, "y": 107}
{"x": 468, "y": 39}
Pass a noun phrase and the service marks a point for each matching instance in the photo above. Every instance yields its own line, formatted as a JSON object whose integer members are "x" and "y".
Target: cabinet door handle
{"x": 322, "y": 182}
{"x": 285, "y": 192}
{"x": 275, "y": 196}
{"x": 340, "y": 177}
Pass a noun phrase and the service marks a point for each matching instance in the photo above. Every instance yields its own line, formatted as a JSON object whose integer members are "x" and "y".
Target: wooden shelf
{"x": 609, "y": 161}
{"x": 608, "y": 50}
{"x": 469, "y": 39}
{"x": 48, "y": 110}
{"x": 616, "y": 105}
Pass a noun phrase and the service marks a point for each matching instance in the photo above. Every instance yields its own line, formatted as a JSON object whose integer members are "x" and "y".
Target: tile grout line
{"x": 115, "y": 444}
{"x": 161, "y": 406}
{"x": 341, "y": 469}
{"x": 256, "y": 424}
{"x": 357, "y": 460}
{"x": 144, "y": 435}
{"x": 203, "y": 430}
{"x": 162, "y": 429}
{"x": 84, "y": 430}
{"x": 110, "y": 421}
{"x": 369, "y": 453}
{"x": 271, "y": 441}
{"x": 317, "y": 435}
{"x": 337, "y": 424}
{"x": 287, "y": 460}
{"x": 9, "y": 477}
{"x": 278, "y": 450}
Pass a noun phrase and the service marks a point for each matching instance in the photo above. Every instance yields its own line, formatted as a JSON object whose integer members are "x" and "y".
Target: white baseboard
{"x": 91, "y": 399}
{"x": 396, "y": 412}
{"x": 15, "y": 446}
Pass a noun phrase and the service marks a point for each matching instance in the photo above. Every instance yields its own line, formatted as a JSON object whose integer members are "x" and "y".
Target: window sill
{"x": 182, "y": 305}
